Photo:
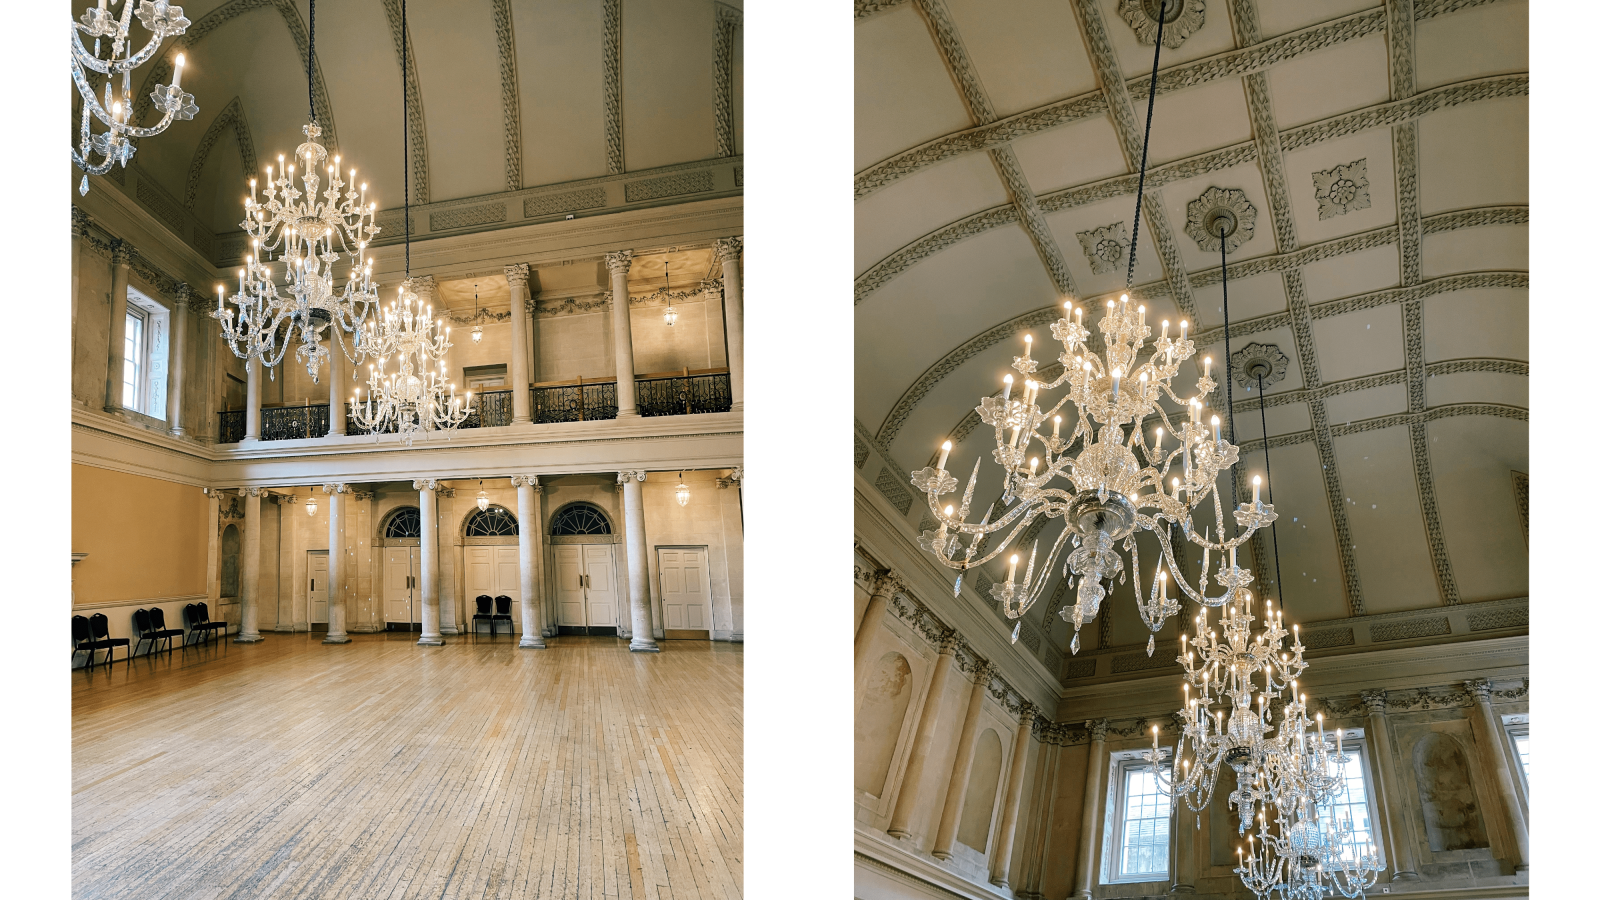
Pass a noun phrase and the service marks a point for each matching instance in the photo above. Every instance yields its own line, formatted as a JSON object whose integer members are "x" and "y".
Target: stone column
{"x": 1094, "y": 790}
{"x": 883, "y": 590}
{"x": 249, "y": 633}
{"x": 728, "y": 250}
{"x": 1501, "y": 762}
{"x": 337, "y": 388}
{"x": 80, "y": 236}
{"x": 1000, "y": 864}
{"x": 638, "y": 568}
{"x": 121, "y": 255}
{"x": 517, "y": 275}
{"x": 1182, "y": 827}
{"x": 961, "y": 771}
{"x": 252, "y": 400}
{"x": 336, "y": 553}
{"x": 622, "y": 331}
{"x": 213, "y": 547}
{"x": 905, "y": 803}
{"x": 527, "y": 534}
{"x": 429, "y": 507}
{"x": 179, "y": 345}
{"x": 1386, "y": 786}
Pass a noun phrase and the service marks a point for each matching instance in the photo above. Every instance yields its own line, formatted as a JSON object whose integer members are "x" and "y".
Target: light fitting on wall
{"x": 477, "y": 328}
{"x": 116, "y": 145}
{"x": 311, "y": 505}
{"x": 1105, "y": 495}
{"x": 298, "y": 232}
{"x": 683, "y": 491}
{"x": 483, "y": 497}
{"x": 417, "y": 397}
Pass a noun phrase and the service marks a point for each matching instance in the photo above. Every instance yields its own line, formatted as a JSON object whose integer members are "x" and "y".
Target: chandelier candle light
{"x": 115, "y": 146}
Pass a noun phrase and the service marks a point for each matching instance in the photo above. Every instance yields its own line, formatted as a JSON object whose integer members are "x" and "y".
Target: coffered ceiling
{"x": 506, "y": 95}
{"x": 1382, "y": 150}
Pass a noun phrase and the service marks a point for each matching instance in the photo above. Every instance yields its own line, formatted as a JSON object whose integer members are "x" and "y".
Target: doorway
{"x": 495, "y": 572}
{"x": 402, "y": 591}
{"x": 586, "y": 589}
{"x": 685, "y": 593}
{"x": 317, "y": 588}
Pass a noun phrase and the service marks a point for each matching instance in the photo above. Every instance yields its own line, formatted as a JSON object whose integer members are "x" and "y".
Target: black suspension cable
{"x": 1144, "y": 151}
{"x": 1266, "y": 452}
{"x": 311, "y": 61}
{"x": 1227, "y": 369}
{"x": 405, "y": 135}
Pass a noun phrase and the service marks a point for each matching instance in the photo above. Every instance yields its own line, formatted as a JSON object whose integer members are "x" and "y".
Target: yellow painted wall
{"x": 145, "y": 538}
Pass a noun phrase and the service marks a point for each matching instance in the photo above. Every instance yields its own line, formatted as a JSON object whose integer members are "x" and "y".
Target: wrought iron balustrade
{"x": 576, "y": 401}
{"x": 289, "y": 423}
{"x": 230, "y": 426}
{"x": 489, "y": 409}
{"x": 702, "y": 391}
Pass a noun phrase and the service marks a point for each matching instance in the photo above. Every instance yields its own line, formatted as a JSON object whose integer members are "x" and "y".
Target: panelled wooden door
{"x": 402, "y": 597}
{"x": 685, "y": 593}
{"x": 586, "y": 588}
{"x": 317, "y": 588}
{"x": 494, "y": 571}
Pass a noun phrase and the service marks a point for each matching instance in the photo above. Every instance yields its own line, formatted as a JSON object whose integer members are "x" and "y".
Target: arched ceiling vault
{"x": 1382, "y": 148}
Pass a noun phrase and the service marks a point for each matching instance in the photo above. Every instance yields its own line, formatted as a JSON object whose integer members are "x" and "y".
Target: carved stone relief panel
{"x": 879, "y": 716}
{"x": 1450, "y": 808}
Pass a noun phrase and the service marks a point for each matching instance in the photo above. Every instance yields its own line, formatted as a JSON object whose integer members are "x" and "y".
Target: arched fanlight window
{"x": 496, "y": 521}
{"x": 405, "y": 523}
{"x": 580, "y": 518}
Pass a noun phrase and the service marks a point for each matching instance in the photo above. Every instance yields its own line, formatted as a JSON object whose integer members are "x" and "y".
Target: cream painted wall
{"x": 711, "y": 519}
{"x": 145, "y": 538}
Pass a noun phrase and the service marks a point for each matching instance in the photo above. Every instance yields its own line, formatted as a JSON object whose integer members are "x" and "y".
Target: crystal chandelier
{"x": 1106, "y": 493}
{"x": 302, "y": 229}
{"x": 417, "y": 396}
{"x": 116, "y": 145}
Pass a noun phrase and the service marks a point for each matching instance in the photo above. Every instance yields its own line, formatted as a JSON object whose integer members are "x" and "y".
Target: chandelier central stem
{"x": 1144, "y": 150}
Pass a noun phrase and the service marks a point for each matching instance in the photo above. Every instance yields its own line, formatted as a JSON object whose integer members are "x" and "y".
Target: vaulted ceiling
{"x": 505, "y": 95}
{"x": 1383, "y": 149}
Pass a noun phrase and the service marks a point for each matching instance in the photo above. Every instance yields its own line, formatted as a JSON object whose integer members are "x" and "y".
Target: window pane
{"x": 1348, "y": 807}
{"x": 1144, "y": 824}
{"x": 132, "y": 344}
{"x": 1522, "y": 753}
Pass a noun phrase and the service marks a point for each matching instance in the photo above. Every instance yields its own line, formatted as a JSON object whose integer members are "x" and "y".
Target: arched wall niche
{"x": 1450, "y": 808}
{"x": 230, "y": 562}
{"x": 977, "y": 812}
{"x": 878, "y": 721}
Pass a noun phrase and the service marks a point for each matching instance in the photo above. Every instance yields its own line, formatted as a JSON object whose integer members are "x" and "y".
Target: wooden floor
{"x": 380, "y": 769}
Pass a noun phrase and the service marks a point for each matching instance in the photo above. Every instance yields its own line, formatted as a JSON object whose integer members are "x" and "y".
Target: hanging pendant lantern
{"x": 311, "y": 506}
{"x": 683, "y": 490}
{"x": 671, "y": 315}
{"x": 477, "y": 324}
{"x": 483, "y": 498}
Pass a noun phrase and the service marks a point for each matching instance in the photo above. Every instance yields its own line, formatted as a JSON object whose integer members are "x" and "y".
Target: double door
{"x": 402, "y": 588}
{"x": 494, "y": 571}
{"x": 586, "y": 588}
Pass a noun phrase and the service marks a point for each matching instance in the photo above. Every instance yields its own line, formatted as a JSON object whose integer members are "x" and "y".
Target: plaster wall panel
{"x": 1194, "y": 120}
{"x": 224, "y": 183}
{"x": 561, "y": 85}
{"x": 146, "y": 538}
{"x": 1385, "y": 515}
{"x": 1061, "y": 865}
{"x": 1473, "y": 458}
{"x": 880, "y": 719}
{"x": 904, "y": 95}
{"x": 1258, "y": 295}
{"x": 1016, "y": 46}
{"x": 1485, "y": 248}
{"x": 702, "y": 523}
{"x": 1490, "y": 39}
{"x": 1490, "y": 322}
{"x": 1302, "y": 167}
{"x": 900, "y": 213}
{"x": 1302, "y": 90}
{"x": 1359, "y": 343}
{"x": 1283, "y": 16}
{"x": 1484, "y": 146}
{"x": 1070, "y": 155}
{"x": 692, "y": 342}
{"x": 1355, "y": 273}
{"x": 574, "y": 346}
{"x": 666, "y": 73}
{"x": 90, "y": 345}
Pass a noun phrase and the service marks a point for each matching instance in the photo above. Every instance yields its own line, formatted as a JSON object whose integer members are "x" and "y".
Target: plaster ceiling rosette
{"x": 1266, "y": 361}
{"x": 1342, "y": 189}
{"x": 1183, "y": 18}
{"x": 1106, "y": 247}
{"x": 1221, "y": 212}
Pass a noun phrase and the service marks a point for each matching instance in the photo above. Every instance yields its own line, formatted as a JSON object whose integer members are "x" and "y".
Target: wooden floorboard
{"x": 379, "y": 769}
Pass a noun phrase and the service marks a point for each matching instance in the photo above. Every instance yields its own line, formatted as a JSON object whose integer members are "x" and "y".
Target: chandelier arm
{"x": 1177, "y": 577}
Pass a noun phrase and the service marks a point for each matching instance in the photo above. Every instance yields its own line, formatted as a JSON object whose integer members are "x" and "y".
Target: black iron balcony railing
{"x": 682, "y": 393}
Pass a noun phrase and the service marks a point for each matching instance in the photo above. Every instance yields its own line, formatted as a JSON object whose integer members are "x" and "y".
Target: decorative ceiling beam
{"x": 727, "y": 21}
{"x": 611, "y": 65}
{"x": 1360, "y": 426}
{"x": 868, "y": 8}
{"x": 414, "y": 117}
{"x": 1327, "y": 129}
{"x": 1023, "y": 200}
{"x": 510, "y": 95}
{"x": 230, "y": 118}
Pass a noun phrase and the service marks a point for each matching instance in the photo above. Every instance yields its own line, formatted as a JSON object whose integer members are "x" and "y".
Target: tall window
{"x": 133, "y": 358}
{"x": 1140, "y": 824}
{"x": 1519, "y": 740}
{"x": 1349, "y": 806}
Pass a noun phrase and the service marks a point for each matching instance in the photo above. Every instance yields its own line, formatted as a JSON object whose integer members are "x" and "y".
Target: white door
{"x": 569, "y": 586}
{"x": 685, "y": 593}
{"x": 599, "y": 585}
{"x": 317, "y": 587}
{"x": 400, "y": 587}
{"x": 494, "y": 572}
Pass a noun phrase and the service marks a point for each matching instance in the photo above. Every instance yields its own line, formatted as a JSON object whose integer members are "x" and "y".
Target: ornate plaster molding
{"x": 631, "y": 475}
{"x": 1342, "y": 189}
{"x": 1105, "y": 247}
{"x": 1224, "y": 209}
{"x": 336, "y": 488}
{"x": 619, "y": 261}
{"x": 510, "y": 102}
{"x": 529, "y": 480}
{"x": 230, "y": 118}
{"x": 1183, "y": 18}
{"x": 611, "y": 63}
{"x": 414, "y": 118}
{"x": 727, "y": 20}
{"x": 734, "y": 478}
{"x": 425, "y": 484}
{"x": 1250, "y": 358}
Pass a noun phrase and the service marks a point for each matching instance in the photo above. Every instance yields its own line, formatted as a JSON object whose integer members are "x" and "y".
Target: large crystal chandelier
{"x": 116, "y": 145}
{"x": 418, "y": 396}
{"x": 297, "y": 236}
{"x": 1107, "y": 479}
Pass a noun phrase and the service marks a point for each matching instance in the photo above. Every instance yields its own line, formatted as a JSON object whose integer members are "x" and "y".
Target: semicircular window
{"x": 496, "y": 521}
{"x": 405, "y": 523}
{"x": 580, "y": 518}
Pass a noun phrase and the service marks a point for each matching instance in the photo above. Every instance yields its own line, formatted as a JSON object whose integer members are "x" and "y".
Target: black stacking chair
{"x": 502, "y": 613}
{"x": 100, "y": 629}
{"x": 83, "y": 639}
{"x": 158, "y": 620}
{"x": 483, "y": 614}
{"x": 141, "y": 624}
{"x": 200, "y": 621}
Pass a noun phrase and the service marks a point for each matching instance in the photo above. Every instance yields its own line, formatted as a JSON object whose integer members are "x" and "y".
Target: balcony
{"x": 686, "y": 392}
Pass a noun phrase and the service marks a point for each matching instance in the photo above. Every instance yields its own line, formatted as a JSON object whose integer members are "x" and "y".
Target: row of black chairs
{"x": 502, "y": 613}
{"x": 92, "y": 633}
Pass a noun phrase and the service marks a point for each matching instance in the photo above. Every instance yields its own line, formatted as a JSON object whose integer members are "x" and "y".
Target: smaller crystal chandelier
{"x": 417, "y": 396}
{"x": 311, "y": 505}
{"x": 683, "y": 491}
{"x": 116, "y": 145}
{"x": 477, "y": 327}
{"x": 483, "y": 497}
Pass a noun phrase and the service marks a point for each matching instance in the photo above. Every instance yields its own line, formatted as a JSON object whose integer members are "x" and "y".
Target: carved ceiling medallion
{"x": 1266, "y": 361}
{"x": 1106, "y": 247}
{"x": 1183, "y": 18}
{"x": 1218, "y": 212}
{"x": 1342, "y": 189}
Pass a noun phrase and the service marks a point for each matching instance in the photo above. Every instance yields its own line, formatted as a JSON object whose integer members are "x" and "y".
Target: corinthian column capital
{"x": 1375, "y": 700}
{"x": 619, "y": 261}
{"x": 728, "y": 248}
{"x": 634, "y": 475}
{"x": 1480, "y": 688}
{"x": 425, "y": 484}
{"x": 517, "y": 274}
